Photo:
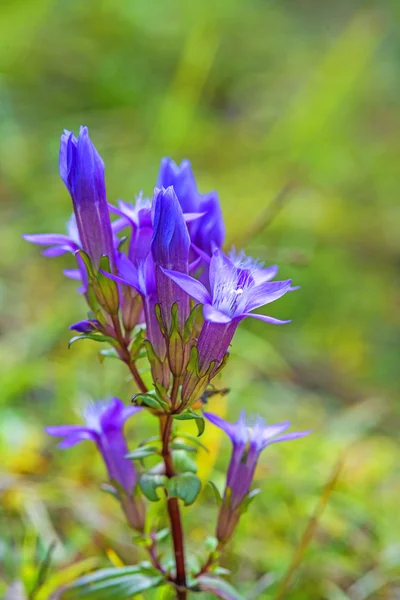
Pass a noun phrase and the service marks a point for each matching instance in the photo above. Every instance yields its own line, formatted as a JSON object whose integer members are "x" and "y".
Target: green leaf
{"x": 219, "y": 587}
{"x": 194, "y": 440}
{"x": 189, "y": 415}
{"x": 143, "y": 452}
{"x": 116, "y": 584}
{"x": 182, "y": 446}
{"x": 91, "y": 336}
{"x": 149, "y": 484}
{"x": 183, "y": 463}
{"x": 162, "y": 534}
{"x": 150, "y": 400}
{"x": 108, "y": 353}
{"x": 211, "y": 543}
{"x": 186, "y": 487}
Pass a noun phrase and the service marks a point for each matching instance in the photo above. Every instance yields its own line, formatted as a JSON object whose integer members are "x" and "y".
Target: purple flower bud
{"x": 249, "y": 438}
{"x": 207, "y": 231}
{"x": 86, "y": 326}
{"x": 182, "y": 180}
{"x": 82, "y": 170}
{"x": 170, "y": 250}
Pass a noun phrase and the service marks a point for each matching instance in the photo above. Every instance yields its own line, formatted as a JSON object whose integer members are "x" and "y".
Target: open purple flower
{"x": 82, "y": 170}
{"x": 232, "y": 295}
{"x": 249, "y": 437}
{"x": 104, "y": 423}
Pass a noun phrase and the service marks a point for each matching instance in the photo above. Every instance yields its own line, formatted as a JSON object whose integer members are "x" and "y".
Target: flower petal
{"x": 262, "y": 275}
{"x": 267, "y": 292}
{"x": 188, "y": 284}
{"x": 229, "y": 428}
{"x": 215, "y": 316}
{"x": 267, "y": 319}
{"x": 65, "y": 430}
{"x": 289, "y": 436}
{"x": 271, "y": 430}
{"x": 47, "y": 239}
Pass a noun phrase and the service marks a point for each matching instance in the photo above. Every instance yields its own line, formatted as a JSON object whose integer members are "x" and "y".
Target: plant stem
{"x": 125, "y": 355}
{"x": 174, "y": 511}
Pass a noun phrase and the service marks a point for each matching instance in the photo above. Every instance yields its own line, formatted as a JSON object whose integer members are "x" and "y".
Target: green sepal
{"x": 216, "y": 492}
{"x": 157, "y": 312}
{"x": 87, "y": 262}
{"x": 193, "y": 364}
{"x": 186, "y": 487}
{"x": 109, "y": 489}
{"x": 174, "y": 319}
{"x": 247, "y": 500}
{"x": 188, "y": 328}
{"x": 222, "y": 364}
{"x": 91, "y": 336}
{"x": 149, "y": 484}
{"x": 143, "y": 452}
{"x": 188, "y": 415}
{"x": 137, "y": 344}
{"x": 106, "y": 289}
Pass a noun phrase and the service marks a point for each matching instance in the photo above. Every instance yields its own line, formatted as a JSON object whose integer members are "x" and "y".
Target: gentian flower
{"x": 82, "y": 170}
{"x": 232, "y": 296}
{"x": 104, "y": 422}
{"x": 139, "y": 218}
{"x": 249, "y": 438}
{"x": 140, "y": 275}
{"x": 57, "y": 242}
{"x": 170, "y": 250}
{"x": 206, "y": 232}
{"x": 181, "y": 178}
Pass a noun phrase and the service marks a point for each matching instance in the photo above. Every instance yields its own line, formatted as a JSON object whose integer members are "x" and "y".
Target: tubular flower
{"x": 170, "y": 250}
{"x": 249, "y": 437}
{"x": 82, "y": 170}
{"x": 104, "y": 422}
{"x": 233, "y": 294}
{"x": 206, "y": 232}
{"x": 140, "y": 276}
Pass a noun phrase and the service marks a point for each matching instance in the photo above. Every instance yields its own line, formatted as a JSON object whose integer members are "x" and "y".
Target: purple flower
{"x": 82, "y": 170}
{"x": 57, "y": 242}
{"x": 170, "y": 250}
{"x": 249, "y": 438}
{"x": 233, "y": 294}
{"x": 104, "y": 423}
{"x": 181, "y": 178}
{"x": 139, "y": 218}
{"x": 140, "y": 275}
{"x": 206, "y": 232}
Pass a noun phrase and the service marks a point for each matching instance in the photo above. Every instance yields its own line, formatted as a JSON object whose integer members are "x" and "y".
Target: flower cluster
{"x": 159, "y": 285}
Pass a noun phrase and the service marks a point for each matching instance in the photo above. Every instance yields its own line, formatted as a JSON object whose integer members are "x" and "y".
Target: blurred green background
{"x": 290, "y": 109}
